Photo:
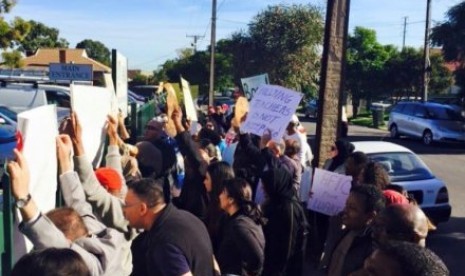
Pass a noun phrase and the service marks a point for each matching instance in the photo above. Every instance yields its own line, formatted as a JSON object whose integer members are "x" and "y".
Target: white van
{"x": 24, "y": 96}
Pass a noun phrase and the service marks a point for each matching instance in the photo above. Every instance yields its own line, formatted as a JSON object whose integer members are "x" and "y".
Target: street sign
{"x": 71, "y": 72}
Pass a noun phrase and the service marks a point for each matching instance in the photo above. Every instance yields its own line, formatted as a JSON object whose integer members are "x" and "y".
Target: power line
{"x": 196, "y": 38}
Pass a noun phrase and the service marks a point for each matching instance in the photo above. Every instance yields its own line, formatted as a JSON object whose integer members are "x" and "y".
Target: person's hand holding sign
{"x": 64, "y": 150}
{"x": 176, "y": 116}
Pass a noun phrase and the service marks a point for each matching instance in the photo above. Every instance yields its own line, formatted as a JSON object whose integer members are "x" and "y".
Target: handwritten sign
{"x": 251, "y": 85}
{"x": 330, "y": 191}
{"x": 271, "y": 108}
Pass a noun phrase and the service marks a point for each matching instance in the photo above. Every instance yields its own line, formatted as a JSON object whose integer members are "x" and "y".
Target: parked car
{"x": 407, "y": 170}
{"x": 8, "y": 116}
{"x": 7, "y": 144}
{"x": 311, "y": 109}
{"x": 432, "y": 122}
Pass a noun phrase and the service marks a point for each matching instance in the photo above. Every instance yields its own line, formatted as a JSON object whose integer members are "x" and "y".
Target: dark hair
{"x": 395, "y": 187}
{"x": 68, "y": 221}
{"x": 414, "y": 259}
{"x": 292, "y": 147}
{"x": 219, "y": 173}
{"x": 375, "y": 174}
{"x": 211, "y": 135}
{"x": 209, "y": 147}
{"x": 149, "y": 190}
{"x": 51, "y": 262}
{"x": 240, "y": 190}
{"x": 373, "y": 198}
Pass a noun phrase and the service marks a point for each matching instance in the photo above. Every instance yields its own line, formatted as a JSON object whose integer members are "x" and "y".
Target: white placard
{"x": 271, "y": 108}
{"x": 121, "y": 82}
{"x": 251, "y": 85}
{"x": 329, "y": 192}
{"x": 191, "y": 113}
{"x": 39, "y": 130}
{"x": 92, "y": 105}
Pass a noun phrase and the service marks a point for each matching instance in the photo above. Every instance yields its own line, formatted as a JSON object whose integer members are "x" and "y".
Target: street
{"x": 447, "y": 162}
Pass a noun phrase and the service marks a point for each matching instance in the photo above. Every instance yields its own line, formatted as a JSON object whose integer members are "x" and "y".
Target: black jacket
{"x": 241, "y": 250}
{"x": 176, "y": 228}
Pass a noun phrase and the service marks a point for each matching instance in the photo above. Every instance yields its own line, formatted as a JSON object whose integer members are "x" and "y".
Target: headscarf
{"x": 277, "y": 184}
{"x": 344, "y": 149}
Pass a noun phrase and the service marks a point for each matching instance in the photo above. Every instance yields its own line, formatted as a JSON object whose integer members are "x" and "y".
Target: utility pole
{"x": 195, "y": 38}
{"x": 212, "y": 58}
{"x": 405, "y": 32}
{"x": 427, "y": 65}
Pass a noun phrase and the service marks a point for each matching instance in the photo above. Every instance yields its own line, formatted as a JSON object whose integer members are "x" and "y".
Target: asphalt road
{"x": 447, "y": 161}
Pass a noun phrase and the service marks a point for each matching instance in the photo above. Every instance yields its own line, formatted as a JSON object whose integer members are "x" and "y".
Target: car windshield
{"x": 403, "y": 166}
{"x": 441, "y": 113}
{"x": 9, "y": 113}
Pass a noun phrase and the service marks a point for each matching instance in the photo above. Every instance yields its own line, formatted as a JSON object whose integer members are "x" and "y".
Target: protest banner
{"x": 271, "y": 108}
{"x": 171, "y": 105}
{"x": 38, "y": 128}
{"x": 240, "y": 109}
{"x": 251, "y": 85}
{"x": 92, "y": 105}
{"x": 329, "y": 192}
{"x": 191, "y": 113}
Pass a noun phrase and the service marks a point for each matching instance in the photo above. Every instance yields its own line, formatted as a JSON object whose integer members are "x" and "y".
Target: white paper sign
{"x": 191, "y": 113}
{"x": 329, "y": 192}
{"x": 92, "y": 105}
{"x": 251, "y": 85}
{"x": 39, "y": 130}
{"x": 121, "y": 82}
{"x": 271, "y": 108}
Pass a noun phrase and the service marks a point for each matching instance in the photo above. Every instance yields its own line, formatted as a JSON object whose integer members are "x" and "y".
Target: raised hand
{"x": 64, "y": 150}
{"x": 112, "y": 129}
{"x": 19, "y": 175}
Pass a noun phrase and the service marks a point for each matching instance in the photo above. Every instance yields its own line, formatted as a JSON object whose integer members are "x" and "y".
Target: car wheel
{"x": 427, "y": 137}
{"x": 394, "y": 131}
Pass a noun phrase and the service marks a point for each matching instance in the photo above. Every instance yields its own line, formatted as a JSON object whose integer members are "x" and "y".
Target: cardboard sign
{"x": 251, "y": 85}
{"x": 172, "y": 105}
{"x": 240, "y": 109}
{"x": 92, "y": 105}
{"x": 271, "y": 109}
{"x": 38, "y": 128}
{"x": 329, "y": 192}
{"x": 191, "y": 113}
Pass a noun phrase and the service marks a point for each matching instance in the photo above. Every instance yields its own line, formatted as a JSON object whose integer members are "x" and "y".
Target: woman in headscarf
{"x": 286, "y": 229}
{"x": 339, "y": 153}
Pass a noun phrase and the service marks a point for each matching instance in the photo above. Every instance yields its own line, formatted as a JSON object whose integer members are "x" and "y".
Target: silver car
{"x": 432, "y": 122}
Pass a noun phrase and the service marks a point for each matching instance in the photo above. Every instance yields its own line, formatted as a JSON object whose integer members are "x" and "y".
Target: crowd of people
{"x": 215, "y": 202}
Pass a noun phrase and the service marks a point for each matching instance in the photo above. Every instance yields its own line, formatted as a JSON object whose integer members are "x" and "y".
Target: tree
{"x": 41, "y": 36}
{"x": 286, "y": 42}
{"x": 14, "y": 33}
{"x": 12, "y": 59}
{"x": 6, "y": 5}
{"x": 451, "y": 36}
{"x": 365, "y": 64}
{"x": 96, "y": 50}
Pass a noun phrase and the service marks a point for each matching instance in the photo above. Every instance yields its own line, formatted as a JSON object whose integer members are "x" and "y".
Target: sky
{"x": 149, "y": 32}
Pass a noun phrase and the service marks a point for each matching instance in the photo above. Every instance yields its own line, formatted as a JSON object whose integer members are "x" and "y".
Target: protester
{"x": 402, "y": 258}
{"x": 51, "y": 262}
{"x": 217, "y": 174}
{"x": 241, "y": 250}
{"x": 347, "y": 249}
{"x": 286, "y": 228}
{"x": 340, "y": 151}
{"x": 355, "y": 165}
{"x": 404, "y": 222}
{"x": 292, "y": 133}
{"x": 174, "y": 242}
{"x": 68, "y": 227}
{"x": 375, "y": 174}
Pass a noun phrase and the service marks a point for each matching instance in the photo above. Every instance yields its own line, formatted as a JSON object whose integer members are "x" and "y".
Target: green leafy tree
{"x": 96, "y": 50}
{"x": 41, "y": 36}
{"x": 286, "y": 41}
{"x": 365, "y": 66}
{"x": 451, "y": 36}
{"x": 14, "y": 33}
{"x": 6, "y": 5}
{"x": 12, "y": 59}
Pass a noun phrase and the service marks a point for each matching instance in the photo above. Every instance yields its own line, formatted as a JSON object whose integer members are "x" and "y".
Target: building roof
{"x": 43, "y": 57}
